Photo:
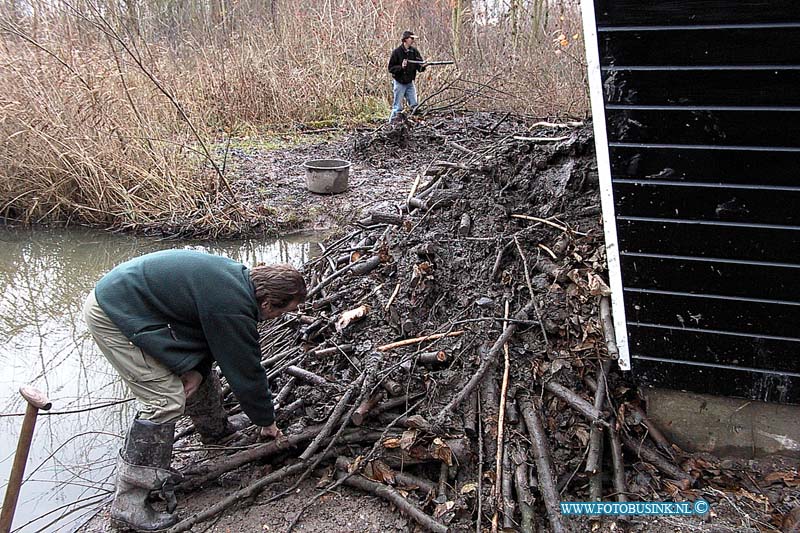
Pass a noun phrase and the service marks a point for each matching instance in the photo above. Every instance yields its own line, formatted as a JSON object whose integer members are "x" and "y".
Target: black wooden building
{"x": 696, "y": 107}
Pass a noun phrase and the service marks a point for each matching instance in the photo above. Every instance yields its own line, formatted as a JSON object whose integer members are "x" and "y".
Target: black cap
{"x": 407, "y": 34}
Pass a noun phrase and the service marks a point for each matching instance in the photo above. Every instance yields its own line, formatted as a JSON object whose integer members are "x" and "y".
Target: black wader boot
{"x": 143, "y": 466}
{"x": 209, "y": 416}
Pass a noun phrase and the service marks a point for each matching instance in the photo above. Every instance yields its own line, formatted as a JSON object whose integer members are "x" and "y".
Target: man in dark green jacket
{"x": 162, "y": 320}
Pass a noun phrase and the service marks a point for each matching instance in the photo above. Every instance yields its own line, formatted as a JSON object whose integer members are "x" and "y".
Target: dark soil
{"x": 432, "y": 275}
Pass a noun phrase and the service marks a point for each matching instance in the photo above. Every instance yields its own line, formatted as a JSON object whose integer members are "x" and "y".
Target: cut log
{"x": 364, "y": 408}
{"x": 490, "y": 398}
{"x": 389, "y": 494}
{"x": 394, "y": 403}
{"x": 648, "y": 454}
{"x": 464, "y": 225}
{"x": 593, "y": 459}
{"x": 653, "y": 430}
{"x": 283, "y": 413}
{"x": 508, "y": 491}
{"x": 470, "y": 414}
{"x": 406, "y": 480}
{"x": 438, "y": 199}
{"x": 608, "y": 327}
{"x": 432, "y": 358}
{"x": 392, "y": 387}
{"x": 620, "y": 486}
{"x": 512, "y": 413}
{"x": 377, "y": 217}
{"x": 285, "y": 391}
{"x": 308, "y": 377}
{"x": 544, "y": 468}
{"x": 418, "y": 203}
{"x": 524, "y": 496}
{"x": 366, "y": 266}
{"x": 441, "y": 490}
{"x": 462, "y": 149}
{"x": 336, "y": 350}
{"x": 500, "y": 252}
{"x": 316, "y": 289}
{"x": 576, "y": 402}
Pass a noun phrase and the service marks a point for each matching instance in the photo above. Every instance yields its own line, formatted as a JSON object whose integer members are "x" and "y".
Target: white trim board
{"x": 604, "y": 172}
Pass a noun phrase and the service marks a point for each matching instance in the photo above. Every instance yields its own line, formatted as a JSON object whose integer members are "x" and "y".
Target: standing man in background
{"x": 162, "y": 320}
{"x": 404, "y": 64}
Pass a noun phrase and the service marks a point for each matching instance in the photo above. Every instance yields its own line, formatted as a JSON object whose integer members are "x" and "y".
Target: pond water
{"x": 45, "y": 276}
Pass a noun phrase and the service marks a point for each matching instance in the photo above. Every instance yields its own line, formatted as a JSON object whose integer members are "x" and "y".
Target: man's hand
{"x": 271, "y": 432}
{"x": 405, "y": 63}
{"x": 191, "y": 382}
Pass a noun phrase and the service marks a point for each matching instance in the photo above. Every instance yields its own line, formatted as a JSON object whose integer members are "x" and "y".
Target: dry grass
{"x": 107, "y": 117}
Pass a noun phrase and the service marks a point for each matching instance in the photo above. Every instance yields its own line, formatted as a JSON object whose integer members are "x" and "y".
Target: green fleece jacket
{"x": 188, "y": 309}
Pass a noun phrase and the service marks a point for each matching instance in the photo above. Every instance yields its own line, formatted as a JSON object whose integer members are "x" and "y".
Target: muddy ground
{"x": 504, "y": 209}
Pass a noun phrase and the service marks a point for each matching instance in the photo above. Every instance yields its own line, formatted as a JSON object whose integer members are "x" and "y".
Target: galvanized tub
{"x": 327, "y": 176}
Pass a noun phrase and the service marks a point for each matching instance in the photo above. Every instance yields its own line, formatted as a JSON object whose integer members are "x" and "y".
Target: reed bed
{"x": 116, "y": 114}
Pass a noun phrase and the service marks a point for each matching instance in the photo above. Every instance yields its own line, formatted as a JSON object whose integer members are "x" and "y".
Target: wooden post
{"x": 36, "y": 400}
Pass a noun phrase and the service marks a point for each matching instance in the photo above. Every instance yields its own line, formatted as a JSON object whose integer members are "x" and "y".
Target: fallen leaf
{"x": 440, "y": 450}
{"x": 391, "y": 442}
{"x": 407, "y": 439}
{"x": 588, "y": 344}
{"x": 417, "y": 422}
{"x": 468, "y": 488}
{"x": 597, "y": 287}
{"x": 443, "y": 508}
{"x": 326, "y": 478}
{"x": 380, "y": 471}
{"x": 582, "y": 435}
{"x": 355, "y": 465}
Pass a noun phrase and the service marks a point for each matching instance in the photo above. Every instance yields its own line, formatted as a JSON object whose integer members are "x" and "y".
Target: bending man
{"x": 162, "y": 320}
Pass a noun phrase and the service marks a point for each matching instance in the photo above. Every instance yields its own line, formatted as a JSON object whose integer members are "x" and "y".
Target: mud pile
{"x": 453, "y": 341}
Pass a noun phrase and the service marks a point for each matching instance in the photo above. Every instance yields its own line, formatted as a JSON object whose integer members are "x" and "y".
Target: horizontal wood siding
{"x": 702, "y": 109}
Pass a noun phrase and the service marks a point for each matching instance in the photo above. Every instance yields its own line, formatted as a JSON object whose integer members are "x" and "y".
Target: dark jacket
{"x": 405, "y": 75}
{"x": 188, "y": 309}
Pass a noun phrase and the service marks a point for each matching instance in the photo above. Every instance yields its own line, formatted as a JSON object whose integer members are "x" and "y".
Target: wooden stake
{"x": 36, "y": 401}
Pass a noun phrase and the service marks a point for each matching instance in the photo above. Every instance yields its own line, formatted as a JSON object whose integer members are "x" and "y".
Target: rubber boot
{"x": 209, "y": 416}
{"x": 142, "y": 467}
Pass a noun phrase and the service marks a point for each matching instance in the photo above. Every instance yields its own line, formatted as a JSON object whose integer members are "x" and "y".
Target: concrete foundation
{"x": 725, "y": 426}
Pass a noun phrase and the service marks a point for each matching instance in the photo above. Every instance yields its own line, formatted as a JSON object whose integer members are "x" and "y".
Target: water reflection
{"x": 44, "y": 278}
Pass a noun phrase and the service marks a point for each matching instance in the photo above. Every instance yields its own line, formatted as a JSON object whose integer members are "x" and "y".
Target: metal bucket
{"x": 327, "y": 176}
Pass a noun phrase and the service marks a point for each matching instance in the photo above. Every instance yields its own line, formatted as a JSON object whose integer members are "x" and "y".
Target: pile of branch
{"x": 455, "y": 356}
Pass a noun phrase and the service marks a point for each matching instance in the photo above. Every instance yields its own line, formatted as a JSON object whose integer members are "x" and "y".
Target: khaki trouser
{"x": 158, "y": 390}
